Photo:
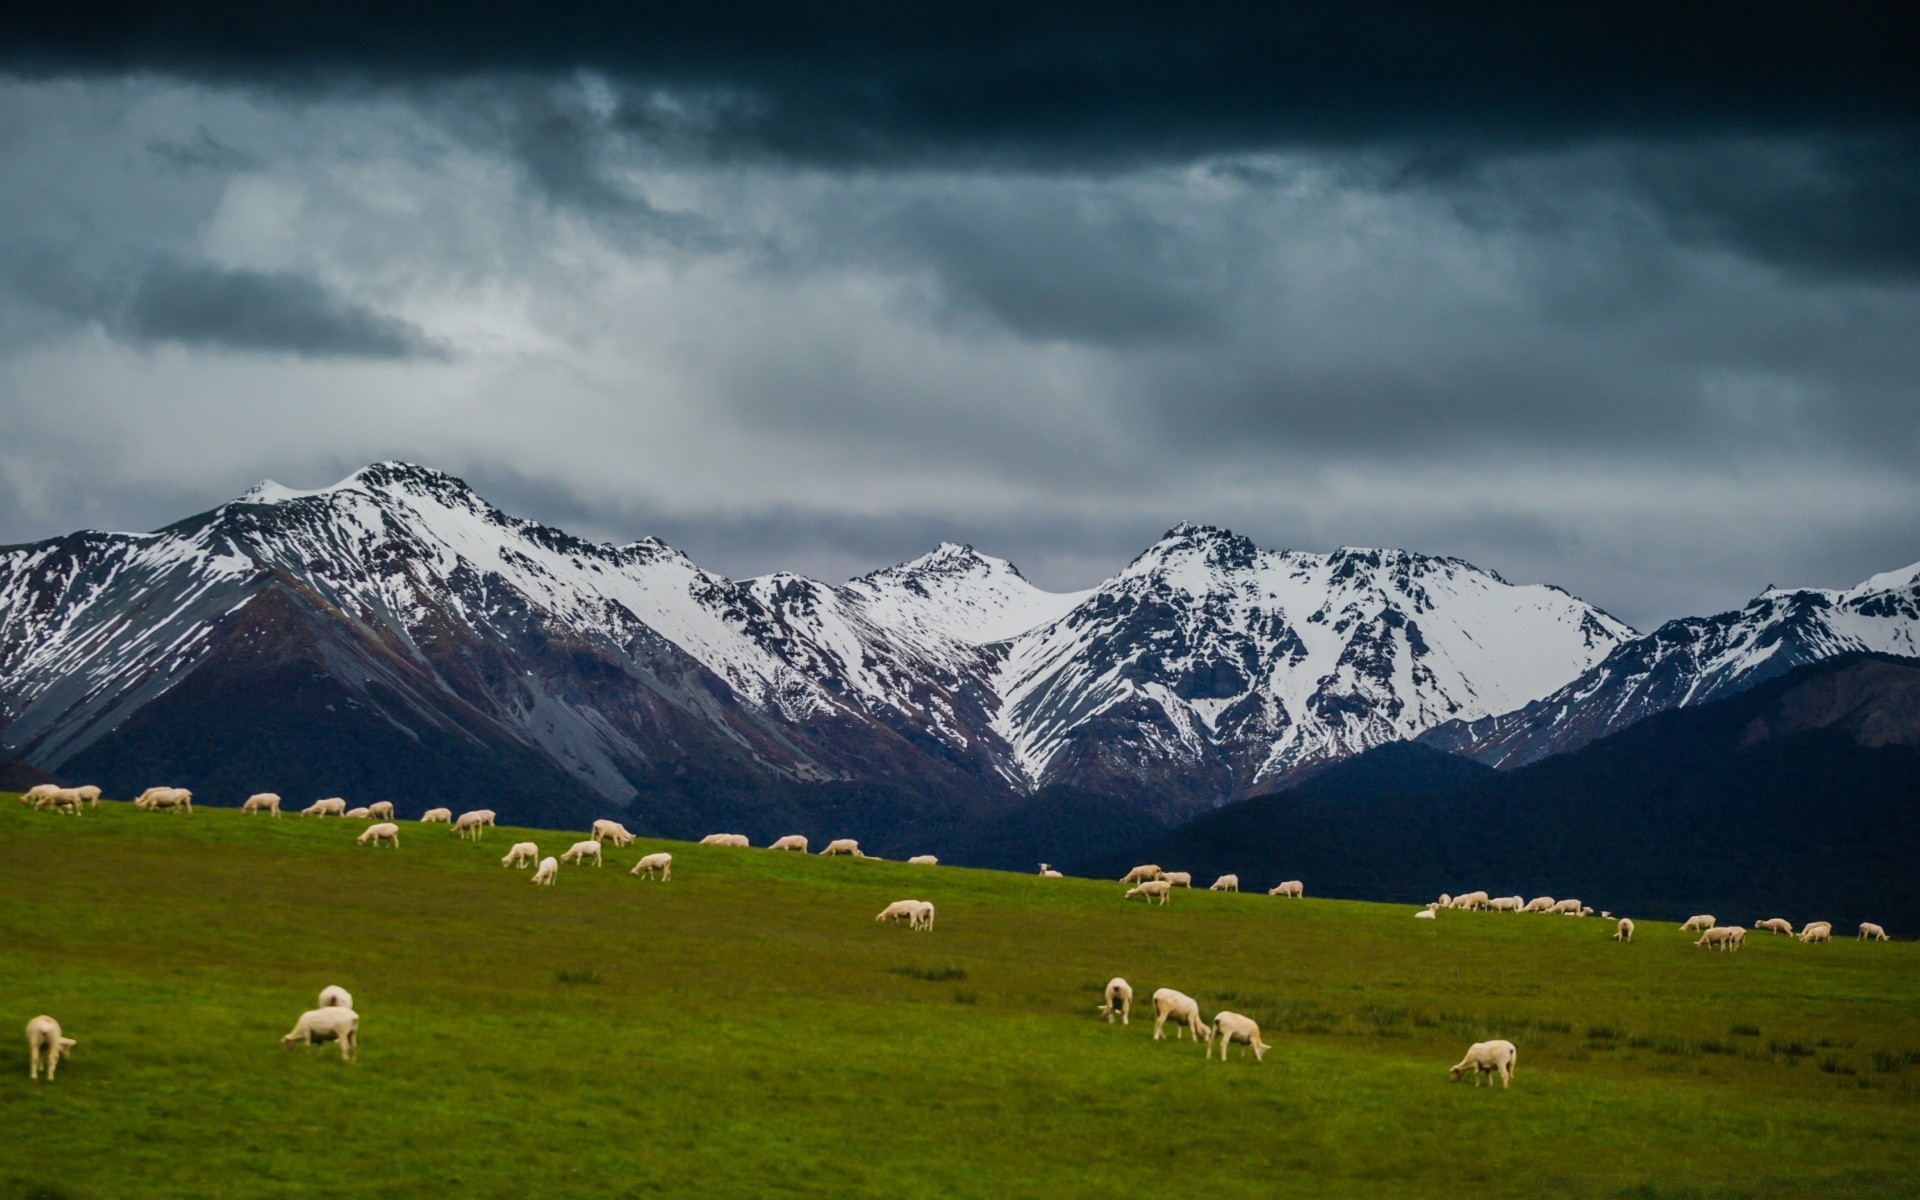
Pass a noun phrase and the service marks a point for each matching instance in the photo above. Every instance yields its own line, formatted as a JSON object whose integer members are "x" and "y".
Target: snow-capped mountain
{"x": 397, "y": 631}
{"x": 1697, "y": 659}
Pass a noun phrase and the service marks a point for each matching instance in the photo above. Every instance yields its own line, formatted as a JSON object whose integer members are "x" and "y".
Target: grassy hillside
{"x": 748, "y": 1030}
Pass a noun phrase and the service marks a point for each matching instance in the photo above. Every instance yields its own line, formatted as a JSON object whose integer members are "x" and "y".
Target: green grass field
{"x": 747, "y": 1030}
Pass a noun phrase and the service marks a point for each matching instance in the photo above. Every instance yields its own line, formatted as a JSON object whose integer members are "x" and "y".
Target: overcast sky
{"x": 1625, "y": 301}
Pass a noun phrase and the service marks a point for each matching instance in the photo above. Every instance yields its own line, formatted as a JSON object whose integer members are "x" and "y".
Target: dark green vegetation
{"x": 748, "y": 1030}
{"x": 1799, "y": 798}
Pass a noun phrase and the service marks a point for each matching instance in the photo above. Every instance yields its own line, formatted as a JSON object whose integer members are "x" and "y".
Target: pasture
{"x": 748, "y": 1030}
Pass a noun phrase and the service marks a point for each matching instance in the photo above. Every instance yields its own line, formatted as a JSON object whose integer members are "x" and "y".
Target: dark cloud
{"x": 265, "y": 311}
{"x": 202, "y": 151}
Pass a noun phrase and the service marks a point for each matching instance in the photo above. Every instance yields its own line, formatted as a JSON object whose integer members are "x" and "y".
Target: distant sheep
{"x": 523, "y": 854}
{"x": 437, "y": 816}
{"x": 1506, "y": 904}
{"x": 612, "y": 831}
{"x": 1567, "y": 906}
{"x": 381, "y": 810}
{"x": 1722, "y": 937}
{"x": 335, "y": 996}
{"x": 922, "y": 917}
{"x": 1817, "y": 931}
{"x": 899, "y": 910}
{"x": 1151, "y": 890}
{"x": 1540, "y": 904}
{"x": 32, "y": 795}
{"x": 1871, "y": 932}
{"x": 1426, "y": 914}
{"x": 473, "y": 824}
{"x": 333, "y": 806}
{"x": 725, "y": 839}
{"x": 1142, "y": 874}
{"x": 89, "y": 793}
{"x": 839, "y": 846}
{"x": 1179, "y": 879}
{"x": 1231, "y": 1027}
{"x": 165, "y": 799}
{"x": 358, "y": 814}
{"x": 1624, "y": 933}
{"x": 649, "y": 863}
{"x": 548, "y": 868}
{"x": 327, "y": 1025}
{"x": 1226, "y": 883}
{"x": 1445, "y": 900}
{"x": 1181, "y": 1010}
{"x": 923, "y": 860}
{"x": 63, "y": 800}
{"x": 1484, "y": 1058}
{"x": 1472, "y": 900}
{"x": 1118, "y": 1002}
{"x": 1047, "y": 872}
{"x": 1775, "y": 925}
{"x": 45, "y": 1046}
{"x": 1699, "y": 924}
{"x": 1292, "y": 888}
{"x": 385, "y": 831}
{"x": 266, "y": 802}
{"x": 580, "y": 852}
{"x": 793, "y": 841}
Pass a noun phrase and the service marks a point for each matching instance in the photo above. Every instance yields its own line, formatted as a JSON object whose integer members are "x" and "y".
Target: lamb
{"x": 1871, "y": 932}
{"x": 1142, "y": 874}
{"x": 359, "y": 814}
{"x": 1119, "y": 1001}
{"x": 46, "y": 1046}
{"x": 1180, "y": 879}
{"x": 1226, "y": 883}
{"x": 382, "y": 809}
{"x": 327, "y": 1025}
{"x": 612, "y": 831}
{"x": 1292, "y": 887}
{"x": 437, "y": 816}
{"x": 1047, "y": 872}
{"x": 1699, "y": 924}
{"x": 548, "y": 868}
{"x": 725, "y": 839}
{"x": 1151, "y": 890}
{"x": 1817, "y": 931}
{"x": 331, "y": 807}
{"x": 1720, "y": 937}
{"x": 165, "y": 799}
{"x": 899, "y": 910}
{"x": 523, "y": 854}
{"x": 793, "y": 841}
{"x": 1540, "y": 904}
{"x": 923, "y": 860}
{"x": 649, "y": 863}
{"x": 1426, "y": 914}
{"x": 922, "y": 918}
{"x": 473, "y": 824}
{"x": 1472, "y": 900}
{"x": 840, "y": 846}
{"x": 1484, "y": 1058}
{"x": 580, "y": 852}
{"x": 1506, "y": 904}
{"x": 1775, "y": 925}
{"x": 266, "y": 802}
{"x": 1231, "y": 1027}
{"x": 335, "y": 996}
{"x": 1181, "y": 1008}
{"x": 385, "y": 831}
{"x": 1625, "y": 932}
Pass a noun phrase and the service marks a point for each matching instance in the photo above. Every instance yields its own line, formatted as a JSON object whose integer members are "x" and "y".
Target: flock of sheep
{"x": 336, "y": 1021}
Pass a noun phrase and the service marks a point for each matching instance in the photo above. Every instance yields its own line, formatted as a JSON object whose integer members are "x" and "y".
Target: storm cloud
{"x": 197, "y": 304}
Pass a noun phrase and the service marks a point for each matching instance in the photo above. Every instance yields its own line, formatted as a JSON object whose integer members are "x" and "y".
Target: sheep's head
{"x": 65, "y": 1047}
{"x": 1454, "y": 1074}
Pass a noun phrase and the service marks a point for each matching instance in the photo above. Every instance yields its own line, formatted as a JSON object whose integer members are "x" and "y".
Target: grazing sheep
{"x": 1775, "y": 925}
{"x": 327, "y": 1025}
{"x": 1226, "y": 883}
{"x": 266, "y": 802}
{"x": 1506, "y": 903}
{"x": 335, "y": 996}
{"x": 580, "y": 852}
{"x": 1142, "y": 874}
{"x": 923, "y": 860}
{"x": 1472, "y": 900}
{"x": 1699, "y": 924}
{"x": 725, "y": 839}
{"x": 1722, "y": 937}
{"x": 358, "y": 814}
{"x": 1586, "y": 910}
{"x": 1567, "y": 906}
{"x": 523, "y": 854}
{"x": 1181, "y": 1008}
{"x": 1151, "y": 890}
{"x": 32, "y": 795}
{"x": 612, "y": 831}
{"x": 383, "y": 809}
{"x": 89, "y": 793}
{"x": 1119, "y": 1001}
{"x": 649, "y": 863}
{"x": 899, "y": 910}
{"x": 165, "y": 799}
{"x": 1047, "y": 872}
{"x": 1231, "y": 1027}
{"x": 1426, "y": 914}
{"x": 1625, "y": 931}
{"x": 473, "y": 824}
{"x": 437, "y": 816}
{"x": 333, "y": 806}
{"x": 385, "y": 831}
{"x": 922, "y": 917}
{"x": 548, "y": 868}
{"x": 793, "y": 841}
{"x": 46, "y": 1046}
{"x": 1292, "y": 887}
{"x": 1484, "y": 1058}
{"x": 839, "y": 846}
{"x": 64, "y": 800}
{"x": 1180, "y": 879}
{"x": 1817, "y": 931}
{"x": 1445, "y": 900}
{"x": 1871, "y": 932}
{"x": 1540, "y": 904}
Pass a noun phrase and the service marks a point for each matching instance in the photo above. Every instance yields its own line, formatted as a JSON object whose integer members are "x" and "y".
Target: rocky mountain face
{"x": 396, "y": 633}
{"x": 1696, "y": 660}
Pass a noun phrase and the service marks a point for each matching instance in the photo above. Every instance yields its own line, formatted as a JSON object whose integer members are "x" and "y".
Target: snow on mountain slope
{"x": 1697, "y": 659}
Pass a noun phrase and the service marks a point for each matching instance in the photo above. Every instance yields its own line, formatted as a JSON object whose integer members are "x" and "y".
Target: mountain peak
{"x": 948, "y": 559}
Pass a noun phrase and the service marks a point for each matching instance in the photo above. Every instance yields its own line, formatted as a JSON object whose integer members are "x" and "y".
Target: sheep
{"x": 1736, "y": 938}
{"x": 923, "y": 860}
{"x": 382, "y": 809}
{"x": 1699, "y": 924}
{"x": 580, "y": 852}
{"x": 335, "y": 996}
{"x": 1506, "y": 904}
{"x": 1231, "y": 1027}
{"x": 1775, "y": 925}
{"x": 839, "y": 846}
{"x": 46, "y": 1046}
{"x": 437, "y": 816}
{"x": 1181, "y": 1008}
{"x": 1426, "y": 914}
{"x": 1047, "y": 872}
{"x": 266, "y": 802}
{"x": 1292, "y": 887}
{"x": 1179, "y": 879}
{"x": 473, "y": 824}
{"x": 899, "y": 910}
{"x": 89, "y": 793}
{"x": 725, "y": 839}
{"x": 1119, "y": 1001}
{"x": 1540, "y": 904}
{"x": 793, "y": 841}
{"x": 1151, "y": 890}
{"x": 385, "y": 831}
{"x": 1472, "y": 900}
{"x": 1871, "y": 932}
{"x": 612, "y": 831}
{"x": 1445, "y": 900}
{"x": 1566, "y": 906}
{"x": 922, "y": 918}
{"x": 1142, "y": 874}
{"x": 548, "y": 868}
{"x": 1586, "y": 910}
{"x": 358, "y": 814}
{"x": 1817, "y": 931}
{"x": 165, "y": 799}
{"x": 523, "y": 854}
{"x": 1720, "y": 937}
{"x": 327, "y": 1025}
{"x": 331, "y": 807}
{"x": 649, "y": 863}
{"x": 65, "y": 800}
{"x": 1624, "y": 933}
{"x": 1484, "y": 1058}
{"x": 32, "y": 795}
{"x": 1226, "y": 883}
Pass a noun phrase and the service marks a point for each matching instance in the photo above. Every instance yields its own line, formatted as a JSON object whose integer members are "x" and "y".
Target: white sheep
{"x": 383, "y": 809}
{"x": 32, "y": 795}
{"x": 793, "y": 841}
{"x": 1775, "y": 925}
{"x": 840, "y": 846}
{"x": 1181, "y": 1009}
{"x": 1180, "y": 879}
{"x": 1141, "y": 874}
{"x": 358, "y": 814}
{"x": 548, "y": 868}
{"x": 725, "y": 839}
{"x": 1151, "y": 890}
{"x": 649, "y": 863}
{"x": 45, "y": 1046}
{"x": 473, "y": 824}
{"x": 1871, "y": 932}
{"x": 1047, "y": 872}
{"x": 612, "y": 831}
{"x": 1445, "y": 900}
{"x": 63, "y": 800}
{"x": 335, "y": 996}
{"x": 1506, "y": 904}
{"x": 1426, "y": 914}
{"x": 1292, "y": 887}
{"x": 899, "y": 910}
{"x": 1699, "y": 924}
{"x": 923, "y": 860}
{"x": 385, "y": 831}
{"x": 1540, "y": 904}
{"x": 1624, "y": 932}
{"x": 1226, "y": 883}
{"x": 1817, "y": 931}
{"x": 1484, "y": 1058}
{"x": 327, "y": 1025}
{"x": 1567, "y": 906}
{"x": 437, "y": 816}
{"x": 523, "y": 854}
{"x": 266, "y": 802}
{"x": 89, "y": 793}
{"x": 1472, "y": 900}
{"x": 1119, "y": 1001}
{"x": 580, "y": 852}
{"x": 1231, "y": 1027}
{"x": 1721, "y": 937}
{"x": 922, "y": 918}
{"x": 333, "y": 806}
{"x": 165, "y": 799}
